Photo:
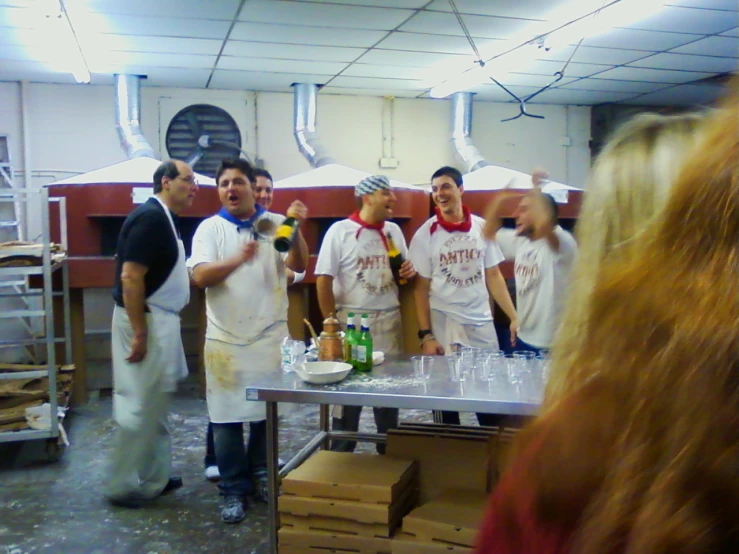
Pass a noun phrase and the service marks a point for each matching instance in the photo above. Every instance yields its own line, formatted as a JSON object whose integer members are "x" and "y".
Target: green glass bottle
{"x": 285, "y": 234}
{"x": 364, "y": 346}
{"x": 350, "y": 339}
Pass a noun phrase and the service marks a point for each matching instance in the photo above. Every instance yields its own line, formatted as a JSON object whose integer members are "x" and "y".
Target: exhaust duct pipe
{"x": 128, "y": 117}
{"x": 305, "y": 126}
{"x": 461, "y": 130}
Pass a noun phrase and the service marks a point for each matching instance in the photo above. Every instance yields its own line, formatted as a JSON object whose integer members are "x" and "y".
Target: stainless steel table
{"x": 390, "y": 385}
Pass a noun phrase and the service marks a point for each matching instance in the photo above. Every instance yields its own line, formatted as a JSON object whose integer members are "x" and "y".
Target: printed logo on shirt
{"x": 373, "y": 270}
{"x": 528, "y": 273}
{"x": 459, "y": 261}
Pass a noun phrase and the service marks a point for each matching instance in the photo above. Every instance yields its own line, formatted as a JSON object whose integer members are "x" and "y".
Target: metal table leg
{"x": 272, "y": 473}
{"x": 323, "y": 412}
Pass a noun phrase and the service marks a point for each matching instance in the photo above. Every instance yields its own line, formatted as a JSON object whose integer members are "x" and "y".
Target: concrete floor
{"x": 58, "y": 507}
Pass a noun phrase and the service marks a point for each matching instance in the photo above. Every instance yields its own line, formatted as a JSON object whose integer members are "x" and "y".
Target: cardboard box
{"x": 447, "y": 461}
{"x": 367, "y": 478}
{"x": 454, "y": 517}
{"x": 361, "y": 512}
{"x": 312, "y": 540}
{"x": 335, "y": 526}
{"x": 406, "y": 544}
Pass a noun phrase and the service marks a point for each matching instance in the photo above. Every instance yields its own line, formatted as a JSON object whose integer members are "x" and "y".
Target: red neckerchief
{"x": 364, "y": 225}
{"x": 463, "y": 226}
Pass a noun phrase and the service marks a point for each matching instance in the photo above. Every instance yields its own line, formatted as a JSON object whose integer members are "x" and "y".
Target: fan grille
{"x": 182, "y": 138}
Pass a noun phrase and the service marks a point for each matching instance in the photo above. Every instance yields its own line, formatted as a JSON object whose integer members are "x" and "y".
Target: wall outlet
{"x": 388, "y": 163}
{"x": 565, "y": 141}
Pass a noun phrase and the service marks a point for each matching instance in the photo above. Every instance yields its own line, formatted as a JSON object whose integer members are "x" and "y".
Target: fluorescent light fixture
{"x": 618, "y": 14}
{"x": 55, "y": 24}
{"x": 595, "y": 18}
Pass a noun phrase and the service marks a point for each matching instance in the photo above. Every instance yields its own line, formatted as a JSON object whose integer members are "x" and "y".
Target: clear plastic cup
{"x": 422, "y": 366}
{"x": 454, "y": 363}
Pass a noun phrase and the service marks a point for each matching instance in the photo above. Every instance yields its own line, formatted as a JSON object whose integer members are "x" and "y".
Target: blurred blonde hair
{"x": 644, "y": 457}
{"x": 628, "y": 186}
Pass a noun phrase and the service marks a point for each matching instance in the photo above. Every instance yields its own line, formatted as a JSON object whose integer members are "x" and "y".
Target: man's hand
{"x": 249, "y": 250}
{"x": 539, "y": 177}
{"x": 297, "y": 210}
{"x": 513, "y": 328}
{"x": 407, "y": 271}
{"x": 138, "y": 349}
{"x": 432, "y": 347}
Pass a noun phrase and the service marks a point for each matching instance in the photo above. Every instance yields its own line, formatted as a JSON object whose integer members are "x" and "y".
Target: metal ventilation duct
{"x": 461, "y": 130}
{"x": 305, "y": 126}
{"x": 128, "y": 117}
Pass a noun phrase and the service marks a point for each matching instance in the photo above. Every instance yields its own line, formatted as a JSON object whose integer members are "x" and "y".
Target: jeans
{"x": 210, "y": 448}
{"x": 239, "y": 467}
{"x": 522, "y": 346}
{"x": 385, "y": 418}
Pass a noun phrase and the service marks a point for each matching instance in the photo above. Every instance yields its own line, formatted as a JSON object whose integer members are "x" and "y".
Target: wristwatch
{"x": 423, "y": 332}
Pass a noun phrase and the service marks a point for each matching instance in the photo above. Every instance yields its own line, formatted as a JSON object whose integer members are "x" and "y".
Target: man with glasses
{"x": 234, "y": 259}
{"x": 151, "y": 287}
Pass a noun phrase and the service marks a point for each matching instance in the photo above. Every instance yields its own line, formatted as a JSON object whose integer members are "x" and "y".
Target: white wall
{"x": 72, "y": 131}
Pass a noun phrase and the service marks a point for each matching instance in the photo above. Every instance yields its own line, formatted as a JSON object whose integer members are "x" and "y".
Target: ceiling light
{"x": 55, "y": 24}
{"x": 600, "y": 16}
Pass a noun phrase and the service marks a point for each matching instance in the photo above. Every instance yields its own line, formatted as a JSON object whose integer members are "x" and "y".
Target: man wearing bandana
{"x": 353, "y": 274}
{"x": 234, "y": 259}
{"x": 457, "y": 273}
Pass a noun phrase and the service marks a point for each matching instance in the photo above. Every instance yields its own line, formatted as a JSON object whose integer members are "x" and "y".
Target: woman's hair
{"x": 628, "y": 186}
{"x": 644, "y": 457}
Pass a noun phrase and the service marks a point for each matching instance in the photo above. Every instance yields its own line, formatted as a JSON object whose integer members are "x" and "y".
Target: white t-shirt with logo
{"x": 357, "y": 260}
{"x": 456, "y": 263}
{"x": 541, "y": 282}
{"x": 254, "y": 297}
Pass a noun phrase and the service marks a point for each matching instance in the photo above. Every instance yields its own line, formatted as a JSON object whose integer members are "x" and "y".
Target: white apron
{"x": 450, "y": 333}
{"x": 165, "y": 362}
{"x": 231, "y": 368}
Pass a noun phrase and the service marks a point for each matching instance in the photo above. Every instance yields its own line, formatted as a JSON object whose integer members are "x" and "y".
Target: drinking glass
{"x": 422, "y": 366}
{"x": 293, "y": 354}
{"x": 454, "y": 362}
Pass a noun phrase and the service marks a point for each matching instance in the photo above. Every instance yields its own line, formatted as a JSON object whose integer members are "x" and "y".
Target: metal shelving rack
{"x": 46, "y": 295}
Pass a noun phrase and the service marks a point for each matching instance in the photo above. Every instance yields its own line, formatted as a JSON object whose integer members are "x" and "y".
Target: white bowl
{"x": 322, "y": 373}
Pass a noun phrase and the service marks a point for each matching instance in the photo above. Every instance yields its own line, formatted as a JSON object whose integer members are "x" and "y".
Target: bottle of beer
{"x": 285, "y": 234}
{"x": 350, "y": 339}
{"x": 396, "y": 259}
{"x": 364, "y": 346}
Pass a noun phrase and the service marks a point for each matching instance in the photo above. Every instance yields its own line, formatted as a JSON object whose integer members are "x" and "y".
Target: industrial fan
{"x": 202, "y": 135}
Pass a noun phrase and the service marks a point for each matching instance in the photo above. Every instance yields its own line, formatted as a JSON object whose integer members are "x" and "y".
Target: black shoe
{"x": 131, "y": 501}
{"x": 234, "y": 509}
{"x": 173, "y": 484}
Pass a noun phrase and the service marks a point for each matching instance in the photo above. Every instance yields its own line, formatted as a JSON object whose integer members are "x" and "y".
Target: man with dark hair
{"x": 151, "y": 287}
{"x": 543, "y": 255}
{"x": 457, "y": 274}
{"x": 234, "y": 259}
{"x": 263, "y": 195}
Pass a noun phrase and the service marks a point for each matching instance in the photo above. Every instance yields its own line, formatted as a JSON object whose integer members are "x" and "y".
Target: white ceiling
{"x": 377, "y": 47}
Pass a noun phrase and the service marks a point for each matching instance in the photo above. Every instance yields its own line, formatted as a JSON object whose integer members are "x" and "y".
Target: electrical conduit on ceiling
{"x": 308, "y": 141}
{"x": 461, "y": 130}
{"x": 128, "y": 117}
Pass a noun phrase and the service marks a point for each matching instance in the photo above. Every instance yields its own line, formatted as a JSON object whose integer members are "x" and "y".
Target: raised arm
{"x": 297, "y": 256}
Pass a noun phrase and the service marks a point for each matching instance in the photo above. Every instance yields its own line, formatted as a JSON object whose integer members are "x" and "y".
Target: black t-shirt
{"x": 147, "y": 239}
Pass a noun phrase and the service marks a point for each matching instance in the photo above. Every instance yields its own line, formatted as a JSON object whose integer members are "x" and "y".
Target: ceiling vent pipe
{"x": 305, "y": 126}
{"x": 128, "y": 117}
{"x": 461, "y": 130}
